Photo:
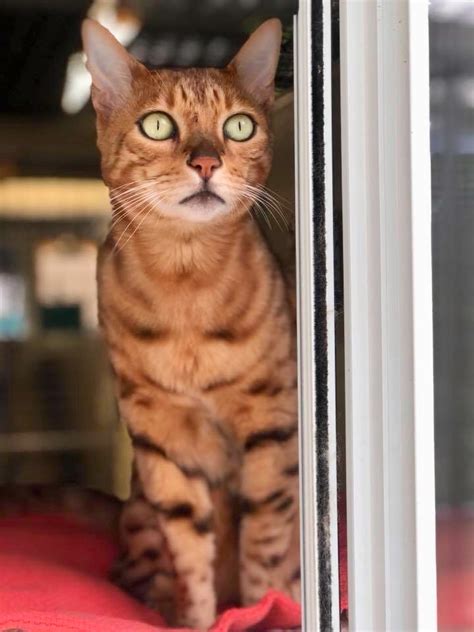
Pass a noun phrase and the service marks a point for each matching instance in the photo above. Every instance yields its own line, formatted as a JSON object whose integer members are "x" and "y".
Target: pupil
{"x": 158, "y": 124}
{"x": 240, "y": 126}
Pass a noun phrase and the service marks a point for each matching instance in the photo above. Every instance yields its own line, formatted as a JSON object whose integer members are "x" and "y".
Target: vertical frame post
{"x": 388, "y": 314}
{"x": 305, "y": 306}
{"x": 315, "y": 284}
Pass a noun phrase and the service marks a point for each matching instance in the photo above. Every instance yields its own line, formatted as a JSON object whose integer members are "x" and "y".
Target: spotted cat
{"x": 199, "y": 328}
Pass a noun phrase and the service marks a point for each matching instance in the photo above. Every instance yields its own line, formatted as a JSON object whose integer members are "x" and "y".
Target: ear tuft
{"x": 256, "y": 62}
{"x": 110, "y": 66}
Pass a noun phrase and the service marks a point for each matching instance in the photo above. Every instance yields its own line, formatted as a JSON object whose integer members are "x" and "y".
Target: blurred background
{"x": 452, "y": 147}
{"x": 58, "y": 417}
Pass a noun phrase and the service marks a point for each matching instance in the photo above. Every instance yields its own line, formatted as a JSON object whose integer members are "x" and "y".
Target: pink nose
{"x": 205, "y": 165}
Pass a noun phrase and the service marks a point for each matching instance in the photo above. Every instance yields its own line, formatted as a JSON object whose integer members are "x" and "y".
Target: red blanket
{"x": 53, "y": 578}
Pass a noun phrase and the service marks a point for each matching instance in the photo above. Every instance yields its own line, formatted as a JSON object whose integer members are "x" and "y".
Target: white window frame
{"x": 388, "y": 314}
{"x": 305, "y": 75}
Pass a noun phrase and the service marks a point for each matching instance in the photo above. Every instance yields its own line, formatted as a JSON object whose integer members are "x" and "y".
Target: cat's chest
{"x": 176, "y": 338}
{"x": 185, "y": 314}
{"x": 186, "y": 334}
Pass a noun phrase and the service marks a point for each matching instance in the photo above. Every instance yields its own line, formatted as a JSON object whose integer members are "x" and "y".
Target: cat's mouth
{"x": 203, "y": 197}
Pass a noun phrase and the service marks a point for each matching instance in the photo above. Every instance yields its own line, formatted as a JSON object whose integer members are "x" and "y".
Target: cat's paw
{"x": 197, "y": 618}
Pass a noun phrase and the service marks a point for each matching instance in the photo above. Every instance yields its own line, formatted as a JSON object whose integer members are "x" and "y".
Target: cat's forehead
{"x": 199, "y": 90}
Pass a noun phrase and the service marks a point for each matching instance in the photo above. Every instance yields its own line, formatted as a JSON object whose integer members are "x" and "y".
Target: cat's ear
{"x": 111, "y": 67}
{"x": 256, "y": 62}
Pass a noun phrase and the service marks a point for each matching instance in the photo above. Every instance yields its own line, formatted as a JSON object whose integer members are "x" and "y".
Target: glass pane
{"x": 452, "y": 143}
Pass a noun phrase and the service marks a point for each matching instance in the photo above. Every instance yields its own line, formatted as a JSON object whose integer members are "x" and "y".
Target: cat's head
{"x": 189, "y": 144}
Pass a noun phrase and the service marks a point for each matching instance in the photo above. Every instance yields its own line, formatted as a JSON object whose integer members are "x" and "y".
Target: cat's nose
{"x": 204, "y": 165}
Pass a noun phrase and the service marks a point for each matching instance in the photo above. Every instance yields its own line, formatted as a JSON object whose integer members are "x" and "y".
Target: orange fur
{"x": 199, "y": 328}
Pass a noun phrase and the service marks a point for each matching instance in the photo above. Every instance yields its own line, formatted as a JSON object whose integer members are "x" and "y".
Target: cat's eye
{"x": 157, "y": 126}
{"x": 239, "y": 127}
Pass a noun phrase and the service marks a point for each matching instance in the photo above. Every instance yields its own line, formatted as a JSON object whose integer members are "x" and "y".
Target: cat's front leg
{"x": 178, "y": 453}
{"x": 269, "y": 532}
{"x": 184, "y": 516}
{"x": 144, "y": 568}
{"x": 269, "y": 493}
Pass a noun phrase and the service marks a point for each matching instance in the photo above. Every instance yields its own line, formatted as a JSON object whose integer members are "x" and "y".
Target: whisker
{"x": 240, "y": 198}
{"x": 114, "y": 197}
{"x": 262, "y": 204}
{"x": 276, "y": 197}
{"x": 147, "y": 204}
{"x": 283, "y": 200}
{"x": 272, "y": 206}
{"x": 150, "y": 208}
{"x": 128, "y": 209}
{"x": 262, "y": 192}
{"x": 255, "y": 203}
{"x": 263, "y": 210}
{"x": 265, "y": 197}
{"x": 133, "y": 182}
{"x": 131, "y": 221}
{"x": 133, "y": 204}
{"x": 138, "y": 209}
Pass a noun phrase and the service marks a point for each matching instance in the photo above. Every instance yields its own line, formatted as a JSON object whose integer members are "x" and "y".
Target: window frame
{"x": 388, "y": 315}
{"x": 319, "y": 547}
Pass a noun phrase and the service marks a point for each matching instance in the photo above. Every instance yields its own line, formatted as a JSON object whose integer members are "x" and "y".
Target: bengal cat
{"x": 200, "y": 333}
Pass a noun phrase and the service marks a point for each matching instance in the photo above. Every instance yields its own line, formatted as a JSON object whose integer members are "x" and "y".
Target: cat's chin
{"x": 200, "y": 211}
{"x": 203, "y": 198}
{"x": 201, "y": 207}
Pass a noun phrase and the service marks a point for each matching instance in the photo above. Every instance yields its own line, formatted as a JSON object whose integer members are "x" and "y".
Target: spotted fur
{"x": 200, "y": 333}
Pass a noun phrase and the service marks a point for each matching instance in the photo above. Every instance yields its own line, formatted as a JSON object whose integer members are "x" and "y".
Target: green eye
{"x": 157, "y": 126}
{"x": 239, "y": 127}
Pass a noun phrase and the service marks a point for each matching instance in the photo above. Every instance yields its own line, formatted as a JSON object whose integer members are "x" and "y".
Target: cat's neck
{"x": 175, "y": 248}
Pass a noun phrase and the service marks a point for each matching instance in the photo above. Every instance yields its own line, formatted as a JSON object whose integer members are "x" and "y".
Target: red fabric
{"x": 455, "y": 559}
{"x": 53, "y": 577}
{"x": 455, "y": 568}
{"x": 342, "y": 545}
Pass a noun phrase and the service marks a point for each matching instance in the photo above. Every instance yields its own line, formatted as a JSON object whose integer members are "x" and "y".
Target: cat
{"x": 199, "y": 328}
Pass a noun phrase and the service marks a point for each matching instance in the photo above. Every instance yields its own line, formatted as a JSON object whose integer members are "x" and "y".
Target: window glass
{"x": 452, "y": 146}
